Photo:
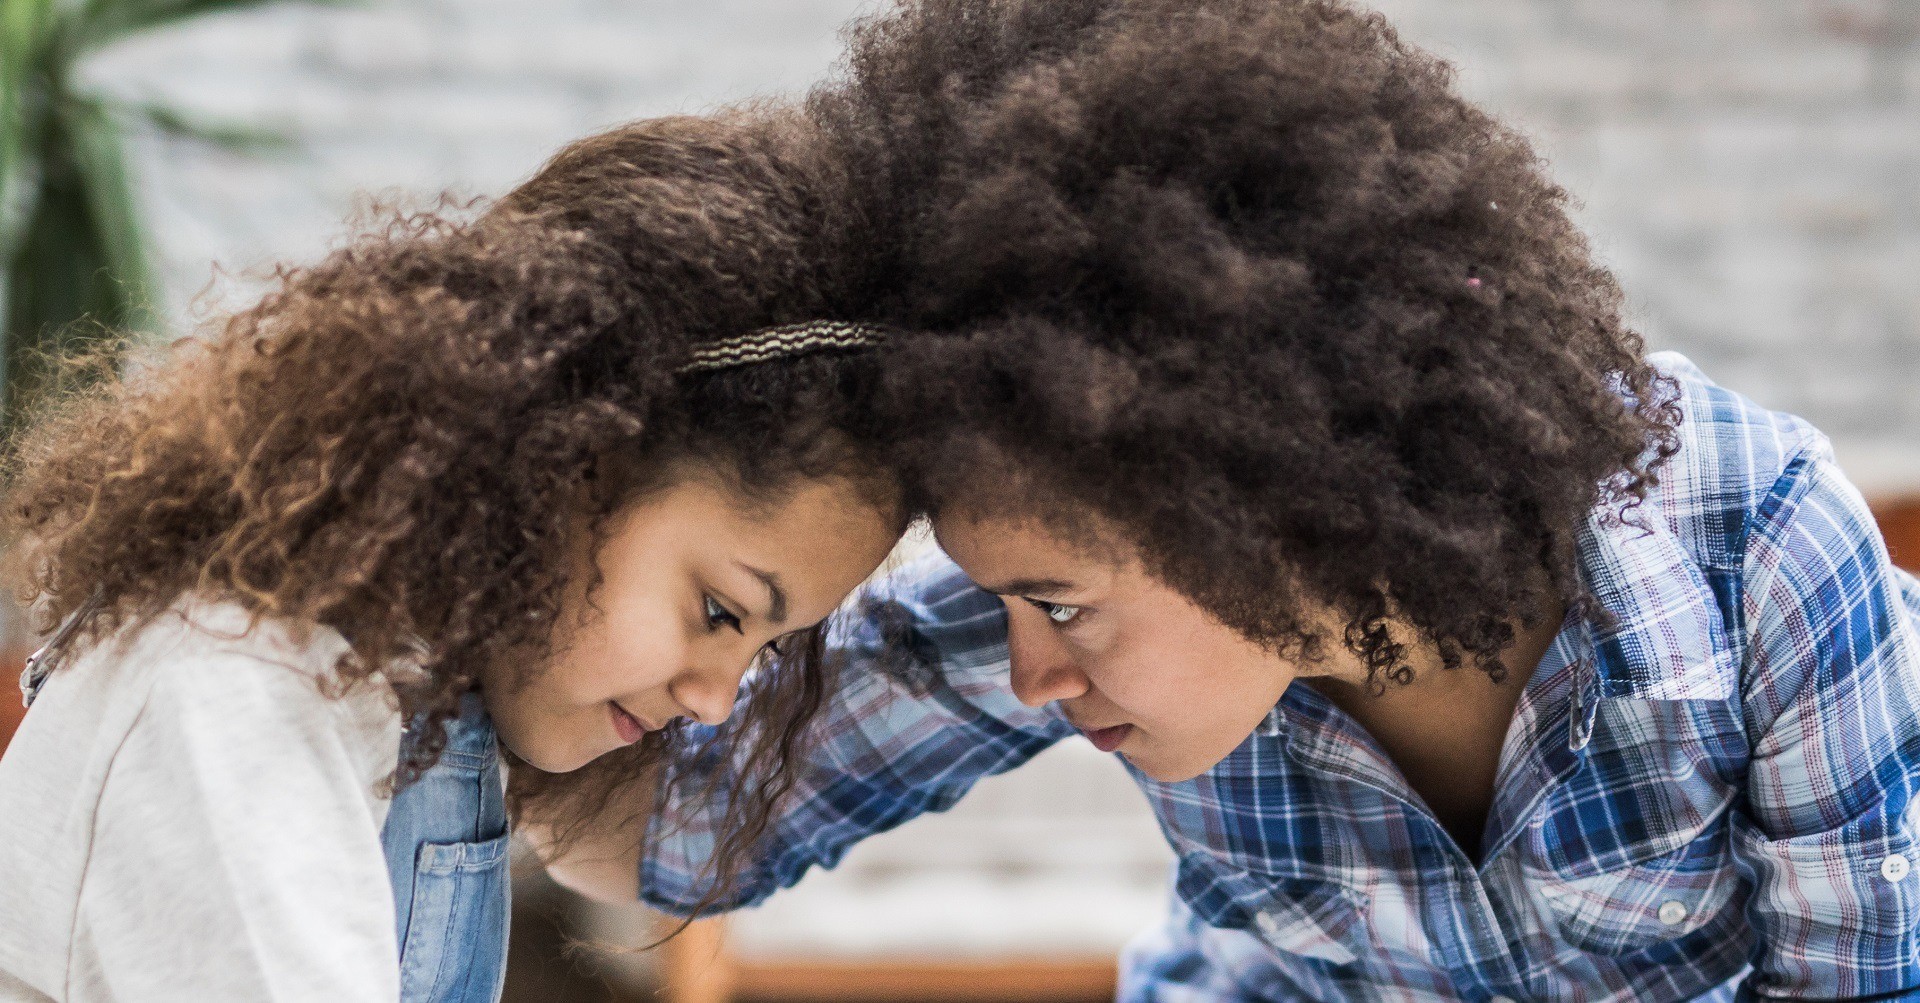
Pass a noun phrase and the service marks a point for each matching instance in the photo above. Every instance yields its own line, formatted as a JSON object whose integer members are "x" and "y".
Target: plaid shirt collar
{"x": 1663, "y": 641}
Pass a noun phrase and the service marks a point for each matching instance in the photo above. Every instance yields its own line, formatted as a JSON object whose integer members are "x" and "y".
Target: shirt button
{"x": 1895, "y": 867}
{"x": 1671, "y": 913}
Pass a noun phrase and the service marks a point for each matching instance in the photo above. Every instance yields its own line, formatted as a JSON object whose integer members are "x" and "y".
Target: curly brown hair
{"x": 1247, "y": 283}
{"x": 408, "y": 439}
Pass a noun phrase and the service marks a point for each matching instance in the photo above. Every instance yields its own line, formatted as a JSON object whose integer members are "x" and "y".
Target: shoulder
{"x": 1674, "y": 571}
{"x": 1732, "y": 456}
{"x": 167, "y": 729}
{"x": 1730, "y": 446}
{"x": 212, "y": 675}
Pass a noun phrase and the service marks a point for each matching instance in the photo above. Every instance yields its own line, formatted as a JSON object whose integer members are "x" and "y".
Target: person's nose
{"x": 708, "y": 694}
{"x": 1043, "y": 670}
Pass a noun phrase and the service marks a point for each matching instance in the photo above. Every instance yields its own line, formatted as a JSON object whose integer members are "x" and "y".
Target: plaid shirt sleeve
{"x": 1831, "y": 691}
{"x": 922, "y": 710}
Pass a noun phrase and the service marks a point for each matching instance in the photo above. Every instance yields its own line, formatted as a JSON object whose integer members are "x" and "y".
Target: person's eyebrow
{"x": 776, "y": 595}
{"x": 1028, "y": 587}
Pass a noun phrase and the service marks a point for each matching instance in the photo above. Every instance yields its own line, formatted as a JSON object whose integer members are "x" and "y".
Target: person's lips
{"x": 630, "y": 728}
{"x": 1107, "y": 739}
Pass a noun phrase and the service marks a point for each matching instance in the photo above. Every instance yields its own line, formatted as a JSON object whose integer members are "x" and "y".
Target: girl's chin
{"x": 558, "y": 757}
{"x": 1169, "y": 769}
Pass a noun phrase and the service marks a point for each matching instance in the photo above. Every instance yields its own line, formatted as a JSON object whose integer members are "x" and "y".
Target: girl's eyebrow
{"x": 1028, "y": 586}
{"x": 776, "y": 595}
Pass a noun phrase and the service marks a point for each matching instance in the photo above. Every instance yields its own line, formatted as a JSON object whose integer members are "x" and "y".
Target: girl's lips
{"x": 1108, "y": 739}
{"x": 630, "y": 728}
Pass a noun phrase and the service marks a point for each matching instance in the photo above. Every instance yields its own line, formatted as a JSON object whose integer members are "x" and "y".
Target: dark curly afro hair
{"x": 1247, "y": 286}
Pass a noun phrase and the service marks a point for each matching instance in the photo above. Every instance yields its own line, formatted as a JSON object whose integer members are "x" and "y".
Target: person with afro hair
{"x": 1294, "y": 448}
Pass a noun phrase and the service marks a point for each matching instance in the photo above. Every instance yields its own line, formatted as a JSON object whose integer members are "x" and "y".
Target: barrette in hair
{"x": 782, "y": 342}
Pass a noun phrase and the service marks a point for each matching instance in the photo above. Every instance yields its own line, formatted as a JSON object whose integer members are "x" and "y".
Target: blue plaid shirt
{"x": 1710, "y": 798}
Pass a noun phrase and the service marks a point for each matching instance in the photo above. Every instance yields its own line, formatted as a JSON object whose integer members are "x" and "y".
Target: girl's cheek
{"x": 640, "y": 663}
{"x": 1092, "y": 644}
{"x": 1103, "y": 664}
{"x": 587, "y": 677}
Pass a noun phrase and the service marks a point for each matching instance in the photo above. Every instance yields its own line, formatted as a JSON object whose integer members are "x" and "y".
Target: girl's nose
{"x": 1043, "y": 671}
{"x": 708, "y": 695}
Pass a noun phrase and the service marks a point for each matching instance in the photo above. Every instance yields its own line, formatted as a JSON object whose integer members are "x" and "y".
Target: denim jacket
{"x": 446, "y": 843}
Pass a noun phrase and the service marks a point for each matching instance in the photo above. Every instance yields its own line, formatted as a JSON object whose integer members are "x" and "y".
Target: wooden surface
{"x": 700, "y": 969}
{"x": 1003, "y": 980}
{"x": 1900, "y": 524}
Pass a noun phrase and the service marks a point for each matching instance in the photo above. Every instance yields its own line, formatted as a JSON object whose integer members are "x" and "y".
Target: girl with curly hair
{"x": 1464, "y": 651}
{"x": 560, "y": 471}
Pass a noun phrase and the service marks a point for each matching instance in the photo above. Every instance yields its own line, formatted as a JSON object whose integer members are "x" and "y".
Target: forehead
{"x": 821, "y": 537}
{"x": 999, "y": 551}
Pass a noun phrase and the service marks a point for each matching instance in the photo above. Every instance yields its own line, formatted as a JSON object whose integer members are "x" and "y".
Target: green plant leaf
{"x": 61, "y": 289}
{"x": 99, "y": 162}
{"x": 18, "y": 168}
{"x": 25, "y": 27}
{"x": 225, "y": 135}
{"x": 71, "y": 241}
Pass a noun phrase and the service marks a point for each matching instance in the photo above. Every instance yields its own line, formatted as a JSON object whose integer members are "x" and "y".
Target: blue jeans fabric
{"x": 446, "y": 844}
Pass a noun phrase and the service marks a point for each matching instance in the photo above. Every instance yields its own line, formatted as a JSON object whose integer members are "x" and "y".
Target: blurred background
{"x": 1749, "y": 168}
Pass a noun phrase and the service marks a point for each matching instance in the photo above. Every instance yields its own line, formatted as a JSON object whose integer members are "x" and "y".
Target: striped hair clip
{"x": 782, "y": 342}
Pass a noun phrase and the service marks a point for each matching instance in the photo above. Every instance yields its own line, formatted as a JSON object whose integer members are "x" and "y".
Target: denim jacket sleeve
{"x": 446, "y": 845}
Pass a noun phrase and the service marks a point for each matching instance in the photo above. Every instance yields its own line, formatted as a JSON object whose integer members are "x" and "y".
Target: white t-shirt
{"x": 184, "y": 815}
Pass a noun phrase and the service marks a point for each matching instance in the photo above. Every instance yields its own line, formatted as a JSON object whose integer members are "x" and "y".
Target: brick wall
{"x": 410, "y": 97}
{"x": 1750, "y": 167}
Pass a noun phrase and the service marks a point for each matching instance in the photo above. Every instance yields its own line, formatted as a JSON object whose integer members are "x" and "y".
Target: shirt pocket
{"x": 1645, "y": 903}
{"x": 1303, "y": 917}
{"x": 455, "y": 949}
{"x": 1311, "y": 920}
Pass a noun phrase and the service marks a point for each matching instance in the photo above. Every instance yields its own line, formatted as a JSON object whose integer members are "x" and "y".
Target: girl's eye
{"x": 1057, "y": 612}
{"x": 718, "y": 616}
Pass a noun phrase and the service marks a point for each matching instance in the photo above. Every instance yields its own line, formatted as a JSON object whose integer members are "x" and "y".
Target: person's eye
{"x": 1059, "y": 613}
{"x": 781, "y": 647}
{"x": 719, "y": 616}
